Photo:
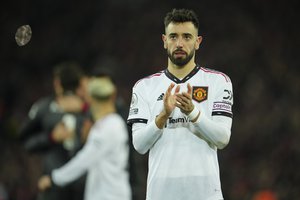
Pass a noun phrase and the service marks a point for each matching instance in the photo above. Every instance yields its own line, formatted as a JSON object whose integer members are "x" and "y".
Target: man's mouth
{"x": 179, "y": 53}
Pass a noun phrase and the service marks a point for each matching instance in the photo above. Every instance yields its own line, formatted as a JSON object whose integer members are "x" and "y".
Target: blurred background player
{"x": 122, "y": 109}
{"x": 104, "y": 155}
{"x": 55, "y": 129}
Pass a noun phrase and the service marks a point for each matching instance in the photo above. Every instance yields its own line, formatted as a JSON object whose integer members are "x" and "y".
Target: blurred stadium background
{"x": 255, "y": 42}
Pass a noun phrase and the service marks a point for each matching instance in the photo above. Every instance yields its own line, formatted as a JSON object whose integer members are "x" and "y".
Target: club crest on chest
{"x": 200, "y": 93}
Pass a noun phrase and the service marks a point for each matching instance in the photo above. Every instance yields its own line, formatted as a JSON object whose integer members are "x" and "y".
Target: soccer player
{"x": 105, "y": 154}
{"x": 182, "y": 116}
{"x": 46, "y": 130}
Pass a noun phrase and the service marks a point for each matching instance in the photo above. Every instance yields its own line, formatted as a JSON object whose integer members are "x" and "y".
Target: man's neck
{"x": 69, "y": 103}
{"x": 103, "y": 109}
{"x": 181, "y": 71}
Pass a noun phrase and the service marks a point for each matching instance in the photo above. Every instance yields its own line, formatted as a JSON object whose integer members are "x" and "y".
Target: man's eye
{"x": 187, "y": 37}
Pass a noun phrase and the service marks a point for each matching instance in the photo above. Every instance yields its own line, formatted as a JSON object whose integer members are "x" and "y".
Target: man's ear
{"x": 164, "y": 39}
{"x": 198, "y": 42}
{"x": 58, "y": 89}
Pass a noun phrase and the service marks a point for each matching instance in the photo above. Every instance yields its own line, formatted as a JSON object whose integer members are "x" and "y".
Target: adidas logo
{"x": 160, "y": 97}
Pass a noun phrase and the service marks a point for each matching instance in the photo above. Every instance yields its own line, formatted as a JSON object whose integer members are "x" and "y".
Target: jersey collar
{"x": 187, "y": 77}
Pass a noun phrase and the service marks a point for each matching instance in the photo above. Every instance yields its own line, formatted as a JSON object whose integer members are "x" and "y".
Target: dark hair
{"x": 180, "y": 16}
{"x": 99, "y": 72}
{"x": 69, "y": 73}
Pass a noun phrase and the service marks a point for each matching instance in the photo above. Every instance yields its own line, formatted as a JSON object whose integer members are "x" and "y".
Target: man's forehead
{"x": 181, "y": 28}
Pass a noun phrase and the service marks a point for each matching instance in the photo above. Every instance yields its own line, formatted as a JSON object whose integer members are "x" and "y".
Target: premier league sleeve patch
{"x": 200, "y": 93}
{"x": 134, "y": 100}
{"x": 138, "y": 112}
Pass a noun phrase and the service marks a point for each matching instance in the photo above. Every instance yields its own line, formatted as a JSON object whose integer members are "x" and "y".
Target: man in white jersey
{"x": 104, "y": 155}
{"x": 182, "y": 115}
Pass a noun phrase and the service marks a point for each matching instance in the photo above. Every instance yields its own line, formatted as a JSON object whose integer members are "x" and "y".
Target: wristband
{"x": 193, "y": 114}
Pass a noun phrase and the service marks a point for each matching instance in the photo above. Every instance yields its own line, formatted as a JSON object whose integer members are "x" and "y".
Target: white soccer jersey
{"x": 183, "y": 161}
{"x": 105, "y": 158}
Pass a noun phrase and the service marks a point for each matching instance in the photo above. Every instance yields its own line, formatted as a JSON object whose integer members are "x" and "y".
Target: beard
{"x": 180, "y": 61}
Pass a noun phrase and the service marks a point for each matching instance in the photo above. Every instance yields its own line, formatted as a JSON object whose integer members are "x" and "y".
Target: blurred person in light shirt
{"x": 105, "y": 154}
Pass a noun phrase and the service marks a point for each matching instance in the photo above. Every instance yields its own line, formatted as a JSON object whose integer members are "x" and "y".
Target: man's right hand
{"x": 169, "y": 105}
{"x": 60, "y": 133}
{"x": 44, "y": 182}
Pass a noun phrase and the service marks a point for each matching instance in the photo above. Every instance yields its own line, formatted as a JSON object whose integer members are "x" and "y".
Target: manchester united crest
{"x": 200, "y": 93}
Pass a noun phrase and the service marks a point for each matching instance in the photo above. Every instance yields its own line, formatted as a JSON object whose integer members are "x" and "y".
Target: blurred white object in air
{"x": 23, "y": 35}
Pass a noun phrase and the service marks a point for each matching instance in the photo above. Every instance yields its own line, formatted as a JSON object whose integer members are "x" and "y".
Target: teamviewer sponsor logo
{"x": 175, "y": 122}
{"x": 178, "y": 120}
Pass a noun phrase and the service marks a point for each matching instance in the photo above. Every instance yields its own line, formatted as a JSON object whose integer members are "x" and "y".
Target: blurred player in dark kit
{"x": 55, "y": 127}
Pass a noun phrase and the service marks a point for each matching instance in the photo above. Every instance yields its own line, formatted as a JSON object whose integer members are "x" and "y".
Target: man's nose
{"x": 179, "y": 42}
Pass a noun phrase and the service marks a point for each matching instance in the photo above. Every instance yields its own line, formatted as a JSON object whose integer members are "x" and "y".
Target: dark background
{"x": 255, "y": 42}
